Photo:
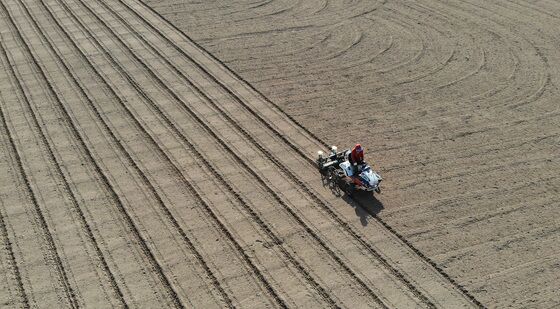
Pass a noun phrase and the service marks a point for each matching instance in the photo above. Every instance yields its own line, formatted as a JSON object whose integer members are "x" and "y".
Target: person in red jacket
{"x": 356, "y": 157}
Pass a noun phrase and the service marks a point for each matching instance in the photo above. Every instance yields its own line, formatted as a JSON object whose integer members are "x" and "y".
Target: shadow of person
{"x": 365, "y": 205}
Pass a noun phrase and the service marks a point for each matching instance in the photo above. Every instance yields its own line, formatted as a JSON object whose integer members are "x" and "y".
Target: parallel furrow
{"x": 190, "y": 187}
{"x": 223, "y": 181}
{"x": 85, "y": 225}
{"x": 242, "y": 202}
{"x": 213, "y": 58}
{"x": 107, "y": 183}
{"x": 76, "y": 207}
{"x": 240, "y": 161}
{"x": 6, "y": 243}
{"x": 309, "y": 159}
{"x": 296, "y": 180}
{"x": 233, "y": 95}
{"x": 52, "y": 249}
{"x": 300, "y": 184}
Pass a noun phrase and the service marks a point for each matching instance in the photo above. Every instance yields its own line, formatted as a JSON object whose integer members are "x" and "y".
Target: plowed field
{"x": 161, "y": 154}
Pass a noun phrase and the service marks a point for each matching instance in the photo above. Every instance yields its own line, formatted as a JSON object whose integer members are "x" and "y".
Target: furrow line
{"x": 53, "y": 252}
{"x": 229, "y": 91}
{"x": 7, "y": 244}
{"x": 347, "y": 228}
{"x": 208, "y": 209}
{"x": 106, "y": 182}
{"x": 244, "y": 164}
{"x": 239, "y": 198}
{"x": 72, "y": 196}
{"x": 243, "y": 203}
{"x": 76, "y": 207}
{"x": 237, "y": 76}
{"x": 8, "y": 247}
{"x": 309, "y": 159}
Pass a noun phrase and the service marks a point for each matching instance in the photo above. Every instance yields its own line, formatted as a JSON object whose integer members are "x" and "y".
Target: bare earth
{"x": 150, "y": 164}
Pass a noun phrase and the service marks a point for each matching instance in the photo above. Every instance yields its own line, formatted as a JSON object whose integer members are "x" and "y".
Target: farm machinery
{"x": 337, "y": 170}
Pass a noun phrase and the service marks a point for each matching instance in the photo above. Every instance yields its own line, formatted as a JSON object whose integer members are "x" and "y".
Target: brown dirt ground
{"x": 138, "y": 170}
{"x": 455, "y": 101}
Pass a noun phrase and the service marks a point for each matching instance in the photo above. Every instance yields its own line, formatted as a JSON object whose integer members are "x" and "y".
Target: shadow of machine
{"x": 365, "y": 203}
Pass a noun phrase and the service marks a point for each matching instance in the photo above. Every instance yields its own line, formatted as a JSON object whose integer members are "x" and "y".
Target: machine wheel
{"x": 332, "y": 174}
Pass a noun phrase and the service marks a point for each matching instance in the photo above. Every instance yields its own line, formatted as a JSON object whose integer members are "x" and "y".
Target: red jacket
{"x": 357, "y": 157}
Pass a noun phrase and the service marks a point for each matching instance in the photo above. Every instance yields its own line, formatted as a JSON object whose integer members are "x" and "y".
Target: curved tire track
{"x": 399, "y": 275}
{"x": 314, "y": 197}
{"x": 237, "y": 195}
{"x": 249, "y": 169}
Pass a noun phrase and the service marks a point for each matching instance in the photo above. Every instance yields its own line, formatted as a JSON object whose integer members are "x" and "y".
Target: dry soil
{"x": 161, "y": 154}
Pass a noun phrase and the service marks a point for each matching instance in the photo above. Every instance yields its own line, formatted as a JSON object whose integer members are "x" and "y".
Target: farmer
{"x": 356, "y": 157}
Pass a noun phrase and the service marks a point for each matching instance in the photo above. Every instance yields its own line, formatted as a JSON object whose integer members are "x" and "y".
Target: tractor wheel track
{"x": 109, "y": 256}
{"x": 53, "y": 252}
{"x": 97, "y": 263}
{"x": 48, "y": 85}
{"x": 237, "y": 195}
{"x": 101, "y": 240}
{"x": 309, "y": 159}
{"x": 26, "y": 296}
{"x": 292, "y": 145}
{"x": 128, "y": 218}
{"x": 240, "y": 161}
{"x": 191, "y": 189}
{"x": 153, "y": 142}
{"x": 234, "y": 96}
{"x": 237, "y": 76}
{"x": 57, "y": 164}
{"x": 300, "y": 184}
{"x": 31, "y": 224}
{"x": 142, "y": 175}
{"x": 314, "y": 197}
{"x": 6, "y": 243}
{"x": 74, "y": 201}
